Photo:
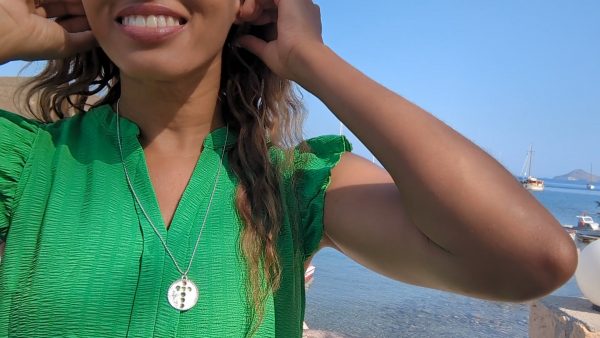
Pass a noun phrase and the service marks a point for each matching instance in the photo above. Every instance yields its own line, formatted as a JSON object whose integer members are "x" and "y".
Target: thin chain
{"x": 162, "y": 240}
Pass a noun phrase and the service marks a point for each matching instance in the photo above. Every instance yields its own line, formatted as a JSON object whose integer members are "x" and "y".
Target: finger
{"x": 74, "y": 24}
{"x": 267, "y": 17}
{"x": 78, "y": 42}
{"x": 54, "y": 10}
{"x": 253, "y": 44}
{"x": 264, "y": 18}
{"x": 250, "y": 11}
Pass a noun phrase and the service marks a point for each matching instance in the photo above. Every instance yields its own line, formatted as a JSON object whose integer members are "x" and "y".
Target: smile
{"x": 150, "y": 21}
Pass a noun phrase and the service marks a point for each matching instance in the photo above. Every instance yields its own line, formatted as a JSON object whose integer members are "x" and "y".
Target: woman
{"x": 178, "y": 206}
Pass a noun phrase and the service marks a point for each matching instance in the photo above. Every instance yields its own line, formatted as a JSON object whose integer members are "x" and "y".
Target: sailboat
{"x": 528, "y": 181}
{"x": 589, "y": 185}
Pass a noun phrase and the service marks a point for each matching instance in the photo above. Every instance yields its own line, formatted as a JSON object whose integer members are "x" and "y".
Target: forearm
{"x": 7, "y": 51}
{"x": 9, "y": 28}
{"x": 438, "y": 172}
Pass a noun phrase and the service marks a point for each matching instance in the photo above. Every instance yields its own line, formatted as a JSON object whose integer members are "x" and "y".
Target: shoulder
{"x": 23, "y": 138}
{"x": 325, "y": 144}
{"x": 87, "y": 123}
{"x": 317, "y": 152}
{"x": 307, "y": 168}
{"x": 12, "y": 123}
{"x": 17, "y": 134}
{"x": 17, "y": 138}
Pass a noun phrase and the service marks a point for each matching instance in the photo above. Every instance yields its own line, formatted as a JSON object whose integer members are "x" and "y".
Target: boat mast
{"x": 530, "y": 160}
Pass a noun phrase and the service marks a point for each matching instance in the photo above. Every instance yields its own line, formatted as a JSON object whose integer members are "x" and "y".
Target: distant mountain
{"x": 578, "y": 175}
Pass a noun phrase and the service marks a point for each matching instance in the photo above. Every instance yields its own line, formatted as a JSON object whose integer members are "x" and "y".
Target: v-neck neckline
{"x": 200, "y": 184}
{"x": 192, "y": 205}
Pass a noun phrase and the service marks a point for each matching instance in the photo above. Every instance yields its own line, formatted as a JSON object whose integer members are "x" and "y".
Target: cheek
{"x": 98, "y": 17}
{"x": 216, "y": 10}
{"x": 211, "y": 23}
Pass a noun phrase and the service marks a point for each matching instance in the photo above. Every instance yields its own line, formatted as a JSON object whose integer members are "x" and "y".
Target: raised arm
{"x": 443, "y": 214}
{"x": 27, "y": 33}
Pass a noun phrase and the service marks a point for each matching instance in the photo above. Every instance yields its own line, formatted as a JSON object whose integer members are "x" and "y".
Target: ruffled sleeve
{"x": 314, "y": 176}
{"x": 17, "y": 136}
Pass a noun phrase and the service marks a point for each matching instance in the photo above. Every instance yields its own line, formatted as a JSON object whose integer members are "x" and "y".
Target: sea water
{"x": 349, "y": 299}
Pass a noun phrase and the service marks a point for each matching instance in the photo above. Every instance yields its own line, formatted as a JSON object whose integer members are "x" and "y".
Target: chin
{"x": 156, "y": 67}
{"x": 153, "y": 72}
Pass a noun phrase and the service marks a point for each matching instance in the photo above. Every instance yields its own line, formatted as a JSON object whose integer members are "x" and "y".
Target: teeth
{"x": 140, "y": 21}
{"x": 151, "y": 21}
{"x": 161, "y": 21}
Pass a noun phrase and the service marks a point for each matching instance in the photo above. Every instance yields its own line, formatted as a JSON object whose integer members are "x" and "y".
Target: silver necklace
{"x": 183, "y": 293}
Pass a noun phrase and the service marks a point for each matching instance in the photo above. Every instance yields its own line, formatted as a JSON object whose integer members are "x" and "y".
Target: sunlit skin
{"x": 424, "y": 219}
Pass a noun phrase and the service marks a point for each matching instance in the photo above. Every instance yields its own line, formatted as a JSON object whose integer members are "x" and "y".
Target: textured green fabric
{"x": 82, "y": 261}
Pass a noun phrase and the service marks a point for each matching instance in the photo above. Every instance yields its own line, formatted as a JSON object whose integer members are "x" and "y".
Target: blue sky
{"x": 506, "y": 74}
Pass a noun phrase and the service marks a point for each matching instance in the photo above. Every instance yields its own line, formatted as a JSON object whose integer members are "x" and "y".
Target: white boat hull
{"x": 534, "y": 186}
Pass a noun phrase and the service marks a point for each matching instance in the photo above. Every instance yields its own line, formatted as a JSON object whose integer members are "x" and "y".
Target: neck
{"x": 174, "y": 117}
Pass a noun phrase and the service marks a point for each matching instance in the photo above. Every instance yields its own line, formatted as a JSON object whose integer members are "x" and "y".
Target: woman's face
{"x": 163, "y": 39}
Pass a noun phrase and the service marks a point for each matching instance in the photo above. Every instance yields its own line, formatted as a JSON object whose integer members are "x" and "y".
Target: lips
{"x": 150, "y": 23}
{"x": 147, "y": 9}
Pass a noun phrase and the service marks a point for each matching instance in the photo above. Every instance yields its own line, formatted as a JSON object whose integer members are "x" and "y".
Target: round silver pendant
{"x": 183, "y": 294}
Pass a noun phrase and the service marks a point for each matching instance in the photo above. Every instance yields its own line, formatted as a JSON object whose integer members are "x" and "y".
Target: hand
{"x": 51, "y": 29}
{"x": 258, "y": 12}
{"x": 298, "y": 29}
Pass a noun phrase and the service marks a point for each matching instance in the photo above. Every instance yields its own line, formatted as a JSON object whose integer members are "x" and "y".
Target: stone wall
{"x": 8, "y": 89}
{"x": 567, "y": 317}
{"x": 8, "y": 86}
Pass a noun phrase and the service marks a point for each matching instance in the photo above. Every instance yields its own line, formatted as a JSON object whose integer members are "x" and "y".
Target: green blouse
{"x": 81, "y": 259}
